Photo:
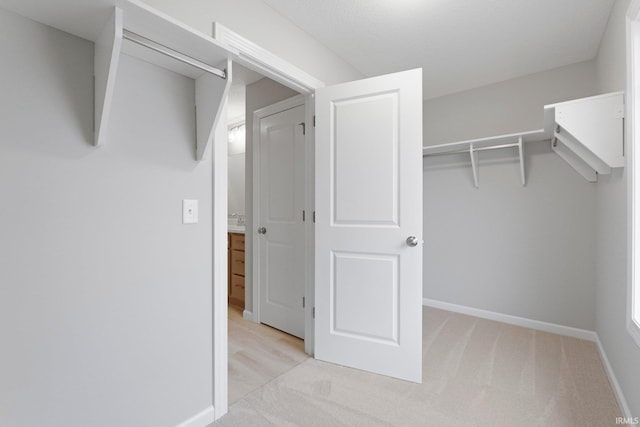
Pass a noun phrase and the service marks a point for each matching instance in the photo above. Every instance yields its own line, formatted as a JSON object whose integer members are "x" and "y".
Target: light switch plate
{"x": 189, "y": 211}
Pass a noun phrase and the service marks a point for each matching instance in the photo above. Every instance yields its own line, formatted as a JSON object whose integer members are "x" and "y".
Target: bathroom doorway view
{"x": 257, "y": 352}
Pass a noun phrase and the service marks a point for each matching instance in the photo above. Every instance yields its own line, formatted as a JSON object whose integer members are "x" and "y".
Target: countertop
{"x": 235, "y": 229}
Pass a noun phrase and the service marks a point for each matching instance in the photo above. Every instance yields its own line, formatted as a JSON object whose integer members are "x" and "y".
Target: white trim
{"x": 310, "y": 199}
{"x": 246, "y": 314}
{"x": 513, "y": 320}
{"x": 261, "y": 60}
{"x": 201, "y": 419}
{"x": 617, "y": 390}
{"x": 264, "y": 62}
{"x": 633, "y": 159}
{"x": 278, "y": 107}
{"x": 219, "y": 292}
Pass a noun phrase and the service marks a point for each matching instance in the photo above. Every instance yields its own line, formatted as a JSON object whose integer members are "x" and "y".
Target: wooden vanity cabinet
{"x": 236, "y": 269}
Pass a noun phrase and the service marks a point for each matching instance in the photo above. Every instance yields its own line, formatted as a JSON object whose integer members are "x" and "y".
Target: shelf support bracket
{"x": 521, "y": 154}
{"x": 474, "y": 164}
{"x": 582, "y": 167}
{"x": 105, "y": 66}
{"x": 211, "y": 95}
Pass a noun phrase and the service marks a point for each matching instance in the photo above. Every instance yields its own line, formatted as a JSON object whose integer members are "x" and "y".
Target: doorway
{"x": 264, "y": 62}
{"x": 388, "y": 110}
{"x": 258, "y": 353}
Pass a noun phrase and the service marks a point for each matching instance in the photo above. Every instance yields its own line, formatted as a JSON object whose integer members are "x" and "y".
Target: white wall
{"x": 236, "y": 169}
{"x": 523, "y": 251}
{"x": 504, "y": 108}
{"x": 236, "y": 164}
{"x": 260, "y": 94}
{"x": 612, "y": 230}
{"x": 236, "y": 102}
{"x": 105, "y": 297}
{"x": 236, "y": 176}
{"x": 259, "y": 23}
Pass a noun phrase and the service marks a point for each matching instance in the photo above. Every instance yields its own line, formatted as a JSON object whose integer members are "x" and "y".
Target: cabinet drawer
{"x": 237, "y": 288}
{"x": 237, "y": 262}
{"x": 237, "y": 241}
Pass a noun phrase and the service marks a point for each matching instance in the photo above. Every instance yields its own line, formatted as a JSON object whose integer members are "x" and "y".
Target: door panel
{"x": 365, "y": 122}
{"x": 368, "y": 202}
{"x": 282, "y": 248}
{"x": 370, "y": 282}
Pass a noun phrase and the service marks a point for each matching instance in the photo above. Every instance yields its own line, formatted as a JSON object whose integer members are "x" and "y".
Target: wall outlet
{"x": 189, "y": 211}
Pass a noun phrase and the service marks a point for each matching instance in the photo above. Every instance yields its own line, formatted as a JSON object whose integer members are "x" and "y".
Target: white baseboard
{"x": 513, "y": 320}
{"x": 201, "y": 419}
{"x": 617, "y": 390}
{"x": 247, "y": 315}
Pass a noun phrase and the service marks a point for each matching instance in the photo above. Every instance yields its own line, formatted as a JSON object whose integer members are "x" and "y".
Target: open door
{"x": 368, "y": 252}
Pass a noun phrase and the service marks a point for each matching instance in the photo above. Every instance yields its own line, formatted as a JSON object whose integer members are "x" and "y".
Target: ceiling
{"x": 83, "y": 18}
{"x": 459, "y": 44}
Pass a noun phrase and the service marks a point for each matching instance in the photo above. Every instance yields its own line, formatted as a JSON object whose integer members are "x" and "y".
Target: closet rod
{"x": 466, "y": 151}
{"x": 157, "y": 47}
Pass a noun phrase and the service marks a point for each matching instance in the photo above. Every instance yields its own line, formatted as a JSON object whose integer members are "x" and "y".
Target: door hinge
{"x": 302, "y": 302}
{"x": 304, "y": 128}
{"x": 314, "y": 217}
{"x": 303, "y": 215}
{"x": 313, "y": 312}
{"x": 314, "y": 120}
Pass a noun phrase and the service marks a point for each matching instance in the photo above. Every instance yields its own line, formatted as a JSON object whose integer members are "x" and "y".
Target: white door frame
{"x": 295, "y": 101}
{"x": 258, "y": 59}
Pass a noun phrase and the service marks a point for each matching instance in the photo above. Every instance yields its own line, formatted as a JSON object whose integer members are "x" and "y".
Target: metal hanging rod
{"x": 157, "y": 47}
{"x": 466, "y": 151}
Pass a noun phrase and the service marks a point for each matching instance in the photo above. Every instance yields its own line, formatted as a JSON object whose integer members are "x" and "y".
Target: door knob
{"x": 262, "y": 230}
{"x": 412, "y": 241}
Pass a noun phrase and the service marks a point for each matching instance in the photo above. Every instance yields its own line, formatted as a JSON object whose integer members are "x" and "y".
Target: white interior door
{"x": 281, "y": 228}
{"x": 368, "y": 287}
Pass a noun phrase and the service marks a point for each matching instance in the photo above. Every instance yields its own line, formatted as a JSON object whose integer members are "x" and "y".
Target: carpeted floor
{"x": 476, "y": 372}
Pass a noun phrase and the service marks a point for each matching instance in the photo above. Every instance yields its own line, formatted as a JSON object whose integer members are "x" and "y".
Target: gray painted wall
{"x": 260, "y": 94}
{"x": 262, "y": 25}
{"x": 235, "y": 112}
{"x": 504, "y": 108}
{"x": 523, "y": 251}
{"x": 236, "y": 176}
{"x": 105, "y": 297}
{"x": 612, "y": 230}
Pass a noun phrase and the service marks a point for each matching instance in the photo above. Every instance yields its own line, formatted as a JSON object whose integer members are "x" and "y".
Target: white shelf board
{"x": 591, "y": 128}
{"x": 142, "y": 20}
{"x": 527, "y": 136}
{"x": 587, "y": 133}
{"x": 166, "y": 31}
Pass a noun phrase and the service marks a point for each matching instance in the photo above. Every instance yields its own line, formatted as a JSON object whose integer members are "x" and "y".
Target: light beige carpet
{"x": 476, "y": 372}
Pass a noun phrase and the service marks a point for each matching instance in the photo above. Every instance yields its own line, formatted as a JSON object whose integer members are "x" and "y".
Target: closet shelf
{"x": 140, "y": 31}
{"x": 472, "y": 146}
{"x": 587, "y": 133}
